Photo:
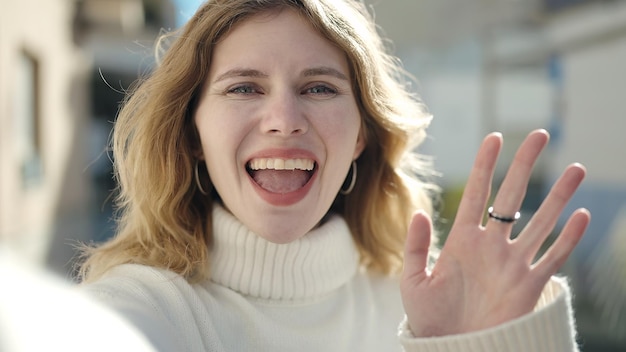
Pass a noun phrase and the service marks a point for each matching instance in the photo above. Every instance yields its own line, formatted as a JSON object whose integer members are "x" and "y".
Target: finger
{"x": 478, "y": 188}
{"x": 511, "y": 194}
{"x": 417, "y": 245}
{"x": 560, "y": 250}
{"x": 544, "y": 220}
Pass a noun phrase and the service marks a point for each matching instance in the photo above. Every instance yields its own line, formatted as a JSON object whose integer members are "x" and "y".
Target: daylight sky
{"x": 185, "y": 9}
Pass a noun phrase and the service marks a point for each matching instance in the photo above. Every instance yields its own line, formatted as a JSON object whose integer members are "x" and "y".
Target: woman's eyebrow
{"x": 324, "y": 71}
{"x": 240, "y": 72}
{"x": 314, "y": 71}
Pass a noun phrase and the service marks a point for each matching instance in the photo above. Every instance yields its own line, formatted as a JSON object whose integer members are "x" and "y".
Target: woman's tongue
{"x": 281, "y": 181}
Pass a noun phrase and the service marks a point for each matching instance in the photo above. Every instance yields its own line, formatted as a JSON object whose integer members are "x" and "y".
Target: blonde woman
{"x": 267, "y": 187}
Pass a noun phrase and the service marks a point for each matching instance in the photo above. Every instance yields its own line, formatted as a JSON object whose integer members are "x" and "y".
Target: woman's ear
{"x": 198, "y": 155}
{"x": 197, "y": 152}
{"x": 360, "y": 144}
{"x": 195, "y": 142}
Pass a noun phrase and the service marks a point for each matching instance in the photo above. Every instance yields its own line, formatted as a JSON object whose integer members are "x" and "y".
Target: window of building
{"x": 27, "y": 119}
{"x": 559, "y": 5}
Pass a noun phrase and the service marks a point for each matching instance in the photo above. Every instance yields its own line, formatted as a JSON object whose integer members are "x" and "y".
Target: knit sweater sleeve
{"x": 550, "y": 327}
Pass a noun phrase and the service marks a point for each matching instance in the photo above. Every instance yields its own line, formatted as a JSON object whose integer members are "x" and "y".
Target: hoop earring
{"x": 352, "y": 180}
{"x": 197, "y": 178}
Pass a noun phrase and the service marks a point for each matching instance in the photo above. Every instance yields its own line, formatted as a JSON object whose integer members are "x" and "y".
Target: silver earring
{"x": 352, "y": 180}
{"x": 197, "y": 177}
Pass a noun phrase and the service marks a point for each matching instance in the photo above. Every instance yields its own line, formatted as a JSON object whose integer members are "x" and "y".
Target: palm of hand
{"x": 482, "y": 278}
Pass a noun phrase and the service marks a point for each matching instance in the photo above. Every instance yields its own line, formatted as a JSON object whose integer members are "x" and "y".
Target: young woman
{"x": 270, "y": 200}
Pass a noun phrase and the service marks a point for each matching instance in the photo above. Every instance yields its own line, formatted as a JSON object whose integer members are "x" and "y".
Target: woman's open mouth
{"x": 277, "y": 175}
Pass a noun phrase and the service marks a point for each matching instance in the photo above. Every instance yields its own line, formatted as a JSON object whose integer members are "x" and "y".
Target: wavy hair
{"x": 163, "y": 218}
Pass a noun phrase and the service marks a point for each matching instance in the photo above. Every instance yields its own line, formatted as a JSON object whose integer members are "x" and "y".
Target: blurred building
{"x": 44, "y": 106}
{"x": 64, "y": 65}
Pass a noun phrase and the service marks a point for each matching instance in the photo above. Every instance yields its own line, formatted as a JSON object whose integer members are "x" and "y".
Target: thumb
{"x": 417, "y": 245}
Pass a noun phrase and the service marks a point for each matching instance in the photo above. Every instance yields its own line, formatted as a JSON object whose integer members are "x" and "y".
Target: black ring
{"x": 502, "y": 218}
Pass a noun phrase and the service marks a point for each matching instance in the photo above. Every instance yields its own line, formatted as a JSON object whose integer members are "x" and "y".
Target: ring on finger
{"x": 503, "y": 218}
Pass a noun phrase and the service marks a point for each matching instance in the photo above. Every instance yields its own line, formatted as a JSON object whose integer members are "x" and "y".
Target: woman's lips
{"x": 282, "y": 181}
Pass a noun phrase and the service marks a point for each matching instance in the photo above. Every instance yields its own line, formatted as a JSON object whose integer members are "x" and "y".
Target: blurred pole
{"x": 488, "y": 77}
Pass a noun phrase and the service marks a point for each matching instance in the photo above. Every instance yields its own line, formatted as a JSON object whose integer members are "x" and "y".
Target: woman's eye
{"x": 246, "y": 89}
{"x": 321, "y": 90}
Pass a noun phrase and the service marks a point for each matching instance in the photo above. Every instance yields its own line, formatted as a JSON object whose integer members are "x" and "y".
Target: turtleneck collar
{"x": 312, "y": 266}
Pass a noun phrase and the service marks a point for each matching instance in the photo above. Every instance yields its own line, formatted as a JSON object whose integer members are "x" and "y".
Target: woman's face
{"x": 279, "y": 124}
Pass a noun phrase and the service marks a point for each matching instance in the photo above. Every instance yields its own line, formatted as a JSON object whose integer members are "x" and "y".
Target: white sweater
{"x": 308, "y": 295}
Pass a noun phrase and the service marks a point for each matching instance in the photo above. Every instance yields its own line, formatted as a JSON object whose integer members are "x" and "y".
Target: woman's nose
{"x": 284, "y": 115}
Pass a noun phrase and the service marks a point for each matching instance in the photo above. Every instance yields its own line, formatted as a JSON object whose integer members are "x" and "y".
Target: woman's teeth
{"x": 281, "y": 164}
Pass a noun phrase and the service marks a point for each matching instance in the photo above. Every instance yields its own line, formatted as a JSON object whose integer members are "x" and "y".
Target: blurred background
{"x": 480, "y": 66}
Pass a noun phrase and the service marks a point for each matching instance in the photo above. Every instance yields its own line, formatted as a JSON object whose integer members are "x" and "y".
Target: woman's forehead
{"x": 283, "y": 37}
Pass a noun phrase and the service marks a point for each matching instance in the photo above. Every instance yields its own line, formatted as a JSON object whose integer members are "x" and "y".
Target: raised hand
{"x": 482, "y": 277}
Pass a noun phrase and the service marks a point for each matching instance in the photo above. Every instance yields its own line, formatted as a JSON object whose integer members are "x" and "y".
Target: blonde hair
{"x": 165, "y": 221}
